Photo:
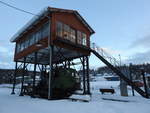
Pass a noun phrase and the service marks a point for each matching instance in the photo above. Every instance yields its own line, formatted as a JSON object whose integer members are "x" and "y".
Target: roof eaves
{"x": 41, "y": 14}
{"x": 29, "y": 24}
{"x": 84, "y": 22}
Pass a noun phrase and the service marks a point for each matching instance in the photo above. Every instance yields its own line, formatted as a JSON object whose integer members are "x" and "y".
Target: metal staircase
{"x": 105, "y": 55}
{"x": 113, "y": 65}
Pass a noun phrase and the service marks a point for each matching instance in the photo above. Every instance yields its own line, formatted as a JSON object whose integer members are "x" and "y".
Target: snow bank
{"x": 98, "y": 103}
{"x": 15, "y": 104}
{"x": 81, "y": 97}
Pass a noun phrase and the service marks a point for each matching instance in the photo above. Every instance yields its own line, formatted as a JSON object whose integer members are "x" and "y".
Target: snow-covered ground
{"x": 99, "y": 103}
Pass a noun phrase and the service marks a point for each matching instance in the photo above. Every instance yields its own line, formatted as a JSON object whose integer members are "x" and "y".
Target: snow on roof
{"x": 28, "y": 24}
{"x": 41, "y": 14}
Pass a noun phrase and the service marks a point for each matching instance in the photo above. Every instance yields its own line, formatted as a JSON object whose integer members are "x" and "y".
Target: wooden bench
{"x": 104, "y": 90}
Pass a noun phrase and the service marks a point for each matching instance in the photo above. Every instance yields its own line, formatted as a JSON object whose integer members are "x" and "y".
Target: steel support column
{"x": 84, "y": 80}
{"x": 65, "y": 64}
{"x": 50, "y": 72}
{"x": 24, "y": 67}
{"x": 14, "y": 79}
{"x": 87, "y": 75}
{"x": 34, "y": 74}
{"x": 69, "y": 64}
{"x": 42, "y": 72}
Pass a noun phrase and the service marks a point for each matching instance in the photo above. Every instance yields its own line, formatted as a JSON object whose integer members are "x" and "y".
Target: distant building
{"x": 7, "y": 76}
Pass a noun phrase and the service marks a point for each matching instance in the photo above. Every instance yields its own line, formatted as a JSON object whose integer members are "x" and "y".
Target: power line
{"x": 6, "y": 4}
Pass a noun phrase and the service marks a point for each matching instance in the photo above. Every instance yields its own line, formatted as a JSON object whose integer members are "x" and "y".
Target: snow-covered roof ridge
{"x": 28, "y": 24}
{"x": 41, "y": 14}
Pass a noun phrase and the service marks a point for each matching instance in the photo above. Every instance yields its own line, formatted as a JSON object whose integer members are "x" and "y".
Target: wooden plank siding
{"x": 71, "y": 20}
{"x": 31, "y": 49}
{"x": 66, "y": 18}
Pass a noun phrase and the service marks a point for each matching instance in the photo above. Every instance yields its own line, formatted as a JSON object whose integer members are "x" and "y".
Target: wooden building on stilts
{"x": 53, "y": 37}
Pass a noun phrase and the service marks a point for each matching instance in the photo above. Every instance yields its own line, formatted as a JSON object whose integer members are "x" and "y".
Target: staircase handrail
{"x": 105, "y": 54}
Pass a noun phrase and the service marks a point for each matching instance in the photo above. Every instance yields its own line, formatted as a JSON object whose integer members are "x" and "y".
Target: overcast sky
{"x": 121, "y": 26}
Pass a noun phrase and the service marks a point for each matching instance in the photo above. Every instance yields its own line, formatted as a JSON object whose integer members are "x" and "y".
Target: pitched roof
{"x": 42, "y": 14}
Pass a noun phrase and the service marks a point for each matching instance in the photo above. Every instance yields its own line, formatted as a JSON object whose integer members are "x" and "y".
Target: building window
{"x": 21, "y": 46}
{"x": 72, "y": 35}
{"x": 66, "y": 32}
{"x": 38, "y": 35}
{"x": 84, "y": 39}
{"x": 25, "y": 43}
{"x": 79, "y": 37}
{"x": 32, "y": 39}
{"x": 18, "y": 47}
{"x": 45, "y": 30}
{"x": 29, "y": 38}
{"x": 28, "y": 42}
{"x": 59, "y": 29}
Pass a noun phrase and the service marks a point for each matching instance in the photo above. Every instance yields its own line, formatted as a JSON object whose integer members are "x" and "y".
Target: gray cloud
{"x": 142, "y": 42}
{"x": 139, "y": 58}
